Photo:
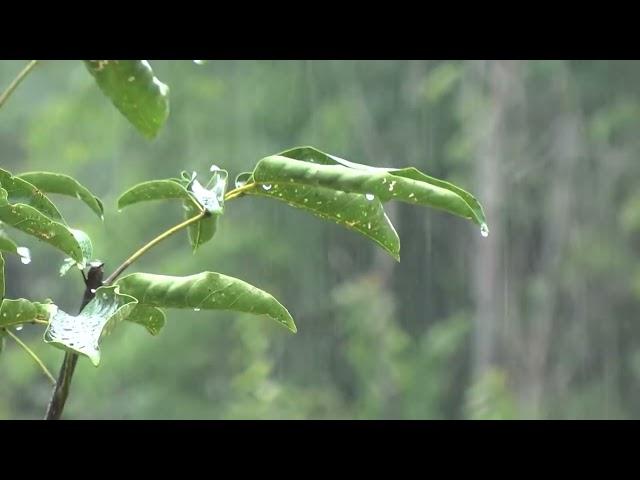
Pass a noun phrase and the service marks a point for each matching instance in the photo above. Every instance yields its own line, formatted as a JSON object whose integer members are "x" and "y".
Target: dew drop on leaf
{"x": 266, "y": 187}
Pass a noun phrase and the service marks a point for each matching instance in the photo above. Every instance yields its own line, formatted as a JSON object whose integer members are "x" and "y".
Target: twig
{"x": 32, "y": 355}
{"x": 16, "y": 81}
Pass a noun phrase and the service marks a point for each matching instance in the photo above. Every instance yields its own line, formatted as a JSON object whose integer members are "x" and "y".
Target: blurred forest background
{"x": 539, "y": 320}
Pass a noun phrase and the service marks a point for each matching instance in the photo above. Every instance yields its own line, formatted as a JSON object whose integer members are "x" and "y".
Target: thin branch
{"x": 236, "y": 192}
{"x": 151, "y": 244}
{"x": 16, "y": 81}
{"x": 61, "y": 388}
{"x": 32, "y": 355}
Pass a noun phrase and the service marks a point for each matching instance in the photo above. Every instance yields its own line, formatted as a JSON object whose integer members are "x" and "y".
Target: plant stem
{"x": 92, "y": 282}
{"x": 32, "y": 355}
{"x": 61, "y": 391}
{"x": 152, "y": 244}
{"x": 236, "y": 192}
{"x": 16, "y": 81}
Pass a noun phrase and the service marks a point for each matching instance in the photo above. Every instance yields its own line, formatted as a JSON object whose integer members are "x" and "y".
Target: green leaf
{"x": 19, "y": 311}
{"x": 82, "y": 333}
{"x": 31, "y": 221}
{"x": 380, "y": 183}
{"x": 206, "y": 291}
{"x": 1, "y": 278}
{"x": 21, "y": 191}
{"x": 135, "y": 91}
{"x": 87, "y": 252}
{"x": 8, "y": 245}
{"x": 356, "y": 212}
{"x": 211, "y": 199}
{"x": 151, "y": 318}
{"x": 154, "y": 190}
{"x": 472, "y": 211}
{"x": 64, "y": 185}
{"x": 242, "y": 179}
{"x": 477, "y": 212}
{"x": 361, "y": 213}
{"x": 203, "y": 230}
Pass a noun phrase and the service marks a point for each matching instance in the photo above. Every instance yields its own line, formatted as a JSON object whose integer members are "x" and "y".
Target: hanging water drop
{"x": 484, "y": 230}
{"x": 266, "y": 186}
{"x": 369, "y": 196}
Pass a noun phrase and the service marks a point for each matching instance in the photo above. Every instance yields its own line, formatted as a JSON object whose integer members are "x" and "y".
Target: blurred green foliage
{"x": 537, "y": 321}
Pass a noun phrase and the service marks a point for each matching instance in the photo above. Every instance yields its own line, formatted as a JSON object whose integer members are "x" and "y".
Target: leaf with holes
{"x": 205, "y": 291}
{"x": 31, "y": 221}
{"x": 81, "y": 334}
{"x": 64, "y": 185}
{"x": 151, "y": 318}
{"x": 135, "y": 91}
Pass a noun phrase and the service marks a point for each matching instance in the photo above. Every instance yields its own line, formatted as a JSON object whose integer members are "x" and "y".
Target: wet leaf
{"x": 204, "y": 291}
{"x": 407, "y": 185}
{"x": 82, "y": 333}
{"x": 135, "y": 91}
{"x": 151, "y": 318}
{"x": 472, "y": 211}
{"x": 32, "y": 222}
{"x": 64, "y": 185}
{"x": 19, "y": 311}
{"x": 154, "y": 190}
{"x": 21, "y": 191}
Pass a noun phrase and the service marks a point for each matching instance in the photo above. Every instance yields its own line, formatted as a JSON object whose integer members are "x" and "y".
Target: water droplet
{"x": 369, "y": 196}
{"x": 93, "y": 290}
{"x": 199, "y": 62}
{"x": 131, "y": 78}
{"x": 266, "y": 186}
{"x": 19, "y": 327}
{"x": 119, "y": 210}
{"x": 25, "y": 255}
{"x": 391, "y": 186}
{"x": 196, "y": 309}
{"x": 484, "y": 230}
